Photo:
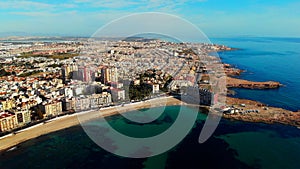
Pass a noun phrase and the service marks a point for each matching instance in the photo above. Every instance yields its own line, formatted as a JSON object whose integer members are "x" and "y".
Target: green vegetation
{"x": 60, "y": 56}
{"x": 38, "y": 61}
{"x": 139, "y": 92}
{"x": 143, "y": 90}
{"x": 30, "y": 73}
{"x": 168, "y": 80}
{"x": 188, "y": 51}
{"x": 55, "y": 65}
{"x": 4, "y": 73}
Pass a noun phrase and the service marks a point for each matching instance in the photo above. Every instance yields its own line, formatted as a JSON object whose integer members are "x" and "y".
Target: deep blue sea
{"x": 234, "y": 145}
{"x": 265, "y": 59}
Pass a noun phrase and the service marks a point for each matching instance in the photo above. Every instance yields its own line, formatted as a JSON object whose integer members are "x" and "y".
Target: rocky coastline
{"x": 240, "y": 83}
{"x": 254, "y": 111}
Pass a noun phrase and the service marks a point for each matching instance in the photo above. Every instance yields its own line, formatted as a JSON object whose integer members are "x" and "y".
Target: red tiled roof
{"x": 4, "y": 115}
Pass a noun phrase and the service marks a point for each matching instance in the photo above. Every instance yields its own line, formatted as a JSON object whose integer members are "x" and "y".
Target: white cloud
{"x": 34, "y": 14}
{"x": 114, "y": 4}
{"x": 54, "y": 18}
{"x": 13, "y": 4}
{"x": 107, "y": 3}
{"x": 68, "y": 5}
{"x": 143, "y": 4}
{"x": 34, "y": 6}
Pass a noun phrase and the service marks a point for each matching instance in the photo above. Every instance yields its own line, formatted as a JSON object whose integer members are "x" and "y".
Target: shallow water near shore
{"x": 233, "y": 145}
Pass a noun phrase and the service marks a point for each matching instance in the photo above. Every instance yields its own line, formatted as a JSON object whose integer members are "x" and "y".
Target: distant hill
{"x": 151, "y": 36}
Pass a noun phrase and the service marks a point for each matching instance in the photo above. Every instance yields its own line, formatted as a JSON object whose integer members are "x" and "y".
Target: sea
{"x": 267, "y": 59}
{"x": 234, "y": 144}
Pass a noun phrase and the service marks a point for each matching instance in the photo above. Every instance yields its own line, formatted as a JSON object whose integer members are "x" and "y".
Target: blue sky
{"x": 216, "y": 18}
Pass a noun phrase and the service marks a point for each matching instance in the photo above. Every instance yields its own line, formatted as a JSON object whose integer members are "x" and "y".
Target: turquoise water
{"x": 267, "y": 59}
{"x": 233, "y": 145}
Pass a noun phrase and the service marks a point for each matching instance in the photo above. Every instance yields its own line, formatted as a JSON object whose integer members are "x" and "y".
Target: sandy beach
{"x": 271, "y": 115}
{"x": 67, "y": 121}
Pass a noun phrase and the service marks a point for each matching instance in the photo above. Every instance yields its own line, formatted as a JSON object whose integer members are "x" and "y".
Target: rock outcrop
{"x": 239, "y": 83}
{"x": 265, "y": 114}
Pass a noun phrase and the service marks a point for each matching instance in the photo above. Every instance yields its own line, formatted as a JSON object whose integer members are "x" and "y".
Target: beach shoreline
{"x": 9, "y": 141}
{"x": 270, "y": 116}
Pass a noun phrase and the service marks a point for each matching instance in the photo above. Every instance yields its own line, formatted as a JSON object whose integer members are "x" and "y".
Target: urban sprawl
{"x": 42, "y": 80}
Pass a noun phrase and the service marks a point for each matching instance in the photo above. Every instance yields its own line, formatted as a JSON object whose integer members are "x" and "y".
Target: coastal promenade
{"x": 67, "y": 121}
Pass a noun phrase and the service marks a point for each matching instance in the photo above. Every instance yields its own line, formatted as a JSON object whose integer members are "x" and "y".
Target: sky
{"x": 216, "y": 18}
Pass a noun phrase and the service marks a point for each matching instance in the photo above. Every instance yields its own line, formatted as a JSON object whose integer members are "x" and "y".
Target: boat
{"x": 12, "y": 149}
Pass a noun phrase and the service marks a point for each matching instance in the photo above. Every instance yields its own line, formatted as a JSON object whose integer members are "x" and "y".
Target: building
{"x": 137, "y": 82}
{"x": 108, "y": 74}
{"x": 194, "y": 95}
{"x": 155, "y": 88}
{"x": 82, "y": 103}
{"x": 78, "y": 90}
{"x": 95, "y": 101}
{"x": 117, "y": 94}
{"x": 23, "y": 116}
{"x": 7, "y": 104}
{"x": 85, "y": 74}
{"x": 68, "y": 104}
{"x": 177, "y": 85}
{"x": 89, "y": 74}
{"x": 67, "y": 92}
{"x": 106, "y": 98}
{"x": 206, "y": 97}
{"x": 8, "y": 121}
{"x": 50, "y": 109}
{"x": 67, "y": 71}
{"x": 117, "y": 85}
{"x": 99, "y": 100}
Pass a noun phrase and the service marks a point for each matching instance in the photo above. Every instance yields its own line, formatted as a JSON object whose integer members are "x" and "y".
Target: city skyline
{"x": 215, "y": 18}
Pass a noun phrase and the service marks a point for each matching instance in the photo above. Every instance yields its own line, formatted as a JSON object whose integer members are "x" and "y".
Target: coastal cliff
{"x": 231, "y": 71}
